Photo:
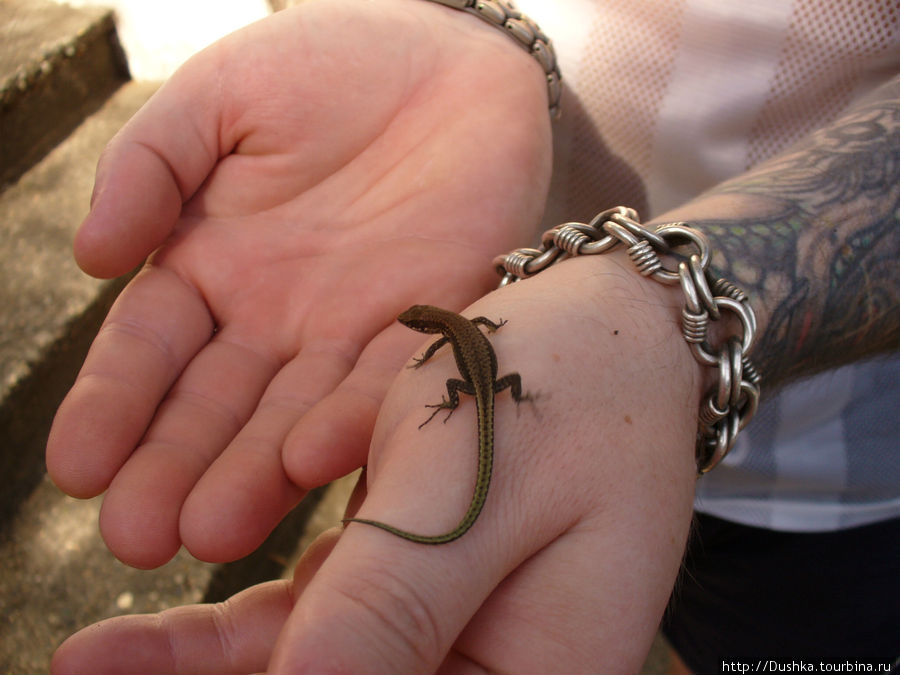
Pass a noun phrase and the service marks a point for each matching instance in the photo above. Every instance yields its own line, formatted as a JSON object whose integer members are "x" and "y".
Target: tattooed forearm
{"x": 820, "y": 248}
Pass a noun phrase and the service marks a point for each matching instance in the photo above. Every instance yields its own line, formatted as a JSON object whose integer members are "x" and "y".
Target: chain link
{"x": 504, "y": 15}
{"x": 732, "y": 403}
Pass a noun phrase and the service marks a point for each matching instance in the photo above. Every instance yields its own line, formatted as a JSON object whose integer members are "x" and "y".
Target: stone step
{"x": 57, "y": 65}
{"x": 49, "y": 309}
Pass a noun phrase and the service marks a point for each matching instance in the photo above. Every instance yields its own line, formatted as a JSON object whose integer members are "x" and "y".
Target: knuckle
{"x": 398, "y": 613}
{"x": 225, "y": 632}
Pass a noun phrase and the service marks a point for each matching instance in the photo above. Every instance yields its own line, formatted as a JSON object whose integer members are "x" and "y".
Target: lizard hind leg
{"x": 443, "y": 405}
{"x": 419, "y": 361}
{"x": 449, "y": 402}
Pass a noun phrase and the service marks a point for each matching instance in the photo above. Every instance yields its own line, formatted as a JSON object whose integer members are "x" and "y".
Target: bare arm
{"x": 814, "y": 236}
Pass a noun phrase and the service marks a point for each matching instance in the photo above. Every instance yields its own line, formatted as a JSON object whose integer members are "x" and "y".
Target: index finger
{"x": 155, "y": 327}
{"x": 581, "y": 532}
{"x": 148, "y": 170}
{"x": 380, "y": 603}
{"x": 231, "y": 637}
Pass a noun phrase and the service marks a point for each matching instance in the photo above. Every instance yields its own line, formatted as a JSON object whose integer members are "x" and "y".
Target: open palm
{"x": 299, "y": 184}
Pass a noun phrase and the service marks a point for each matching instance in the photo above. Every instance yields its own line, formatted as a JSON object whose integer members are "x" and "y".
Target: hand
{"x": 301, "y": 182}
{"x": 568, "y": 568}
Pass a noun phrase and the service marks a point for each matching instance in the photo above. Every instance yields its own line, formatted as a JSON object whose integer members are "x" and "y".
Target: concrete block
{"x": 49, "y": 309}
{"x": 57, "y": 65}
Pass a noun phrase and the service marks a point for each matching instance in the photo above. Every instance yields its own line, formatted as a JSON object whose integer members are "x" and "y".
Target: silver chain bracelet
{"x": 730, "y": 405}
{"x": 527, "y": 34}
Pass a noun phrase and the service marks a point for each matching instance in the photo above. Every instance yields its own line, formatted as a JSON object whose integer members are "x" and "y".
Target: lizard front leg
{"x": 419, "y": 361}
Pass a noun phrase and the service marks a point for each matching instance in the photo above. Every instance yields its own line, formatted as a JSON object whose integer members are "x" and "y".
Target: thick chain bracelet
{"x": 730, "y": 405}
{"x": 526, "y": 33}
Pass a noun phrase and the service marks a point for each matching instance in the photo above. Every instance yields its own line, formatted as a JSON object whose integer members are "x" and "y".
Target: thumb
{"x": 380, "y": 603}
{"x": 373, "y": 609}
{"x": 147, "y": 171}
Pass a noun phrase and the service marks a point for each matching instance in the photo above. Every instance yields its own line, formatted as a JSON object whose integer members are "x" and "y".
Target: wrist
{"x": 732, "y": 403}
{"x": 525, "y": 33}
{"x": 618, "y": 394}
{"x": 713, "y": 209}
{"x": 510, "y": 36}
{"x": 627, "y": 332}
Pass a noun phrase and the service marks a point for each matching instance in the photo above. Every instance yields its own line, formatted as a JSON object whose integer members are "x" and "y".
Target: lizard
{"x": 477, "y": 364}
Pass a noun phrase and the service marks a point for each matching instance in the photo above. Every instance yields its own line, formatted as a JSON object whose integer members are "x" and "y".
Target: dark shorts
{"x": 772, "y": 600}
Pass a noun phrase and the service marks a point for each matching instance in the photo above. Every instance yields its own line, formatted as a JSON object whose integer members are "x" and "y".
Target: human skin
{"x": 301, "y": 182}
{"x": 576, "y": 552}
{"x": 569, "y": 565}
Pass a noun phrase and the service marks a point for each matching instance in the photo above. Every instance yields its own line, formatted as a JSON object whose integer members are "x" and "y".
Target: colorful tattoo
{"x": 822, "y": 256}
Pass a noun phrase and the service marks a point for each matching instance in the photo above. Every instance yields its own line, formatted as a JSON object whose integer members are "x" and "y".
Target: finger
{"x": 236, "y": 636}
{"x": 155, "y": 327}
{"x": 361, "y": 613}
{"x": 383, "y": 604}
{"x": 202, "y": 413}
{"x": 333, "y": 438}
{"x": 313, "y": 558}
{"x": 246, "y": 492}
{"x": 154, "y": 164}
